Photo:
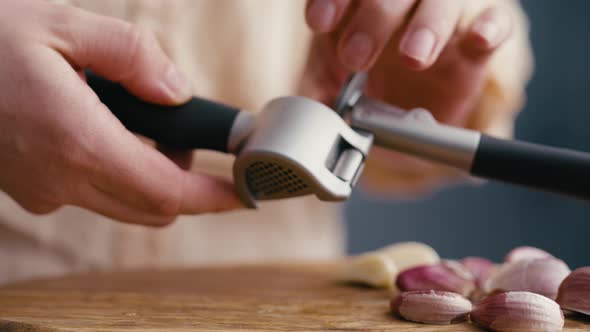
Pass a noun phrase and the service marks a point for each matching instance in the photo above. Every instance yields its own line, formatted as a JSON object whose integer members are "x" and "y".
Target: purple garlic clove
{"x": 445, "y": 276}
{"x": 574, "y": 292}
{"x": 431, "y": 307}
{"x": 525, "y": 253}
{"x": 481, "y": 268}
{"x": 541, "y": 276}
{"x": 518, "y": 311}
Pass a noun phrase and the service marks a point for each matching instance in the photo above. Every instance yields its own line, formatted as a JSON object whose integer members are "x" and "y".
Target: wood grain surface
{"x": 302, "y": 297}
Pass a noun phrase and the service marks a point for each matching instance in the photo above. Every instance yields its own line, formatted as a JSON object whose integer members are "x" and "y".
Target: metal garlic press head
{"x": 296, "y": 147}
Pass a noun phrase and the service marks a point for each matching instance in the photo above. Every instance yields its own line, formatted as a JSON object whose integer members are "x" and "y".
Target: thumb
{"x": 124, "y": 53}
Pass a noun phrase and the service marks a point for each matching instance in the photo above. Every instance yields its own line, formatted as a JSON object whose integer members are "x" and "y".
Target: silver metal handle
{"x": 415, "y": 132}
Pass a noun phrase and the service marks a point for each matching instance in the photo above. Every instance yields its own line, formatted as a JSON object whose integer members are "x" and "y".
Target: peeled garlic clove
{"x": 518, "y": 311}
{"x": 542, "y": 276}
{"x": 372, "y": 269}
{"x": 409, "y": 254}
{"x": 445, "y": 276}
{"x": 432, "y": 307}
{"x": 525, "y": 253}
{"x": 574, "y": 292}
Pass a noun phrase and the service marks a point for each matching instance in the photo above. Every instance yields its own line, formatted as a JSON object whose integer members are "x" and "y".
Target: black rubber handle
{"x": 537, "y": 166}
{"x": 197, "y": 124}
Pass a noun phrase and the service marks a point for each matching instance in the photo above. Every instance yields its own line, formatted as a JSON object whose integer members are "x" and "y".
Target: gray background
{"x": 488, "y": 221}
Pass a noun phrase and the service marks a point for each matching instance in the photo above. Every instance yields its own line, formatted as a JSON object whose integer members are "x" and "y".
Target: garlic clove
{"x": 432, "y": 307}
{"x": 477, "y": 265}
{"x": 372, "y": 269}
{"x": 524, "y": 253}
{"x": 574, "y": 292}
{"x": 445, "y": 276}
{"x": 410, "y": 254}
{"x": 481, "y": 268}
{"x": 518, "y": 311}
{"x": 477, "y": 295}
{"x": 541, "y": 276}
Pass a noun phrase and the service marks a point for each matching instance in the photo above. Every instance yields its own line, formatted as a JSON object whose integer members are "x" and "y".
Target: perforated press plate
{"x": 269, "y": 180}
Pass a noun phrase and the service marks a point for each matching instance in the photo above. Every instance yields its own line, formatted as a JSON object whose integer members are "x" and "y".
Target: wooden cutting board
{"x": 303, "y": 297}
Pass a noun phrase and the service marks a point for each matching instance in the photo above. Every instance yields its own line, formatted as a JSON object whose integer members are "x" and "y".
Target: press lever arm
{"x": 533, "y": 165}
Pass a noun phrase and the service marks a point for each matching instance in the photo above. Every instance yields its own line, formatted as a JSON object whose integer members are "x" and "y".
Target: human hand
{"x": 417, "y": 53}
{"x": 59, "y": 145}
{"x": 432, "y": 54}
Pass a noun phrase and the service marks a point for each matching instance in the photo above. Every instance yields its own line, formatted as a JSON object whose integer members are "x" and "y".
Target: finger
{"x": 204, "y": 194}
{"x": 141, "y": 176}
{"x": 324, "y": 15}
{"x": 97, "y": 201}
{"x": 120, "y": 52}
{"x": 35, "y": 206}
{"x": 428, "y": 32}
{"x": 488, "y": 32}
{"x": 369, "y": 30}
{"x": 118, "y": 164}
{"x": 182, "y": 158}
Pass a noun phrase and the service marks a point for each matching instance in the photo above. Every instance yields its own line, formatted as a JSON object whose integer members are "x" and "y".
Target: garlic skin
{"x": 518, "y": 312}
{"x": 541, "y": 276}
{"x": 446, "y": 276}
{"x": 574, "y": 292}
{"x": 525, "y": 253}
{"x": 406, "y": 255}
{"x": 372, "y": 269}
{"x": 431, "y": 307}
{"x": 481, "y": 268}
{"x": 477, "y": 265}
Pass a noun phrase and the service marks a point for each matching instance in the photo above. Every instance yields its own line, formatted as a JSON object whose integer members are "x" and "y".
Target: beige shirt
{"x": 243, "y": 52}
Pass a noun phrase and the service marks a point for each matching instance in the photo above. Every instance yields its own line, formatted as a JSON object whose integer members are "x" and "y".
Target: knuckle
{"x": 140, "y": 37}
{"x": 61, "y": 14}
{"x": 166, "y": 205}
{"x": 63, "y": 21}
{"x": 164, "y": 196}
{"x": 138, "y": 41}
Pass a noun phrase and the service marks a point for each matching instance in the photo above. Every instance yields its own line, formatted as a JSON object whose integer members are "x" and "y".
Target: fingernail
{"x": 357, "y": 50}
{"x": 419, "y": 45}
{"x": 178, "y": 85}
{"x": 321, "y": 14}
{"x": 487, "y": 30}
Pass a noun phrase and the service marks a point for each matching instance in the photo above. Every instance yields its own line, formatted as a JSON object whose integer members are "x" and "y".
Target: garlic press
{"x": 296, "y": 146}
